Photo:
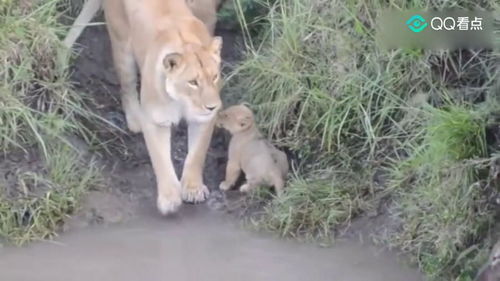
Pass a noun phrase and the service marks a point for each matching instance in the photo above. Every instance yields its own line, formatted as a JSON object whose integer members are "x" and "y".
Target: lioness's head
{"x": 192, "y": 77}
{"x": 236, "y": 119}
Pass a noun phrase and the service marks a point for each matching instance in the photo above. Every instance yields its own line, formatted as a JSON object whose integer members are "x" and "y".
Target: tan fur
{"x": 205, "y": 10}
{"x": 179, "y": 62}
{"x": 261, "y": 162}
{"x": 491, "y": 270}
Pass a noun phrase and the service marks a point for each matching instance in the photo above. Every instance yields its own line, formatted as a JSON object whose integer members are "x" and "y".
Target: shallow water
{"x": 196, "y": 244}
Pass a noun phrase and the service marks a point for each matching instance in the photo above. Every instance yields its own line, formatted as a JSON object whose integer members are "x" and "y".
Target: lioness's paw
{"x": 169, "y": 203}
{"x": 194, "y": 194}
{"x": 224, "y": 186}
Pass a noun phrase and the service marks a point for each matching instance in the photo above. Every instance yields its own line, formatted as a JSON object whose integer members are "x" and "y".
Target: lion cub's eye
{"x": 193, "y": 83}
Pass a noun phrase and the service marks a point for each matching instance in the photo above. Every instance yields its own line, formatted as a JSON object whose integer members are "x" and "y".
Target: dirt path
{"x": 197, "y": 244}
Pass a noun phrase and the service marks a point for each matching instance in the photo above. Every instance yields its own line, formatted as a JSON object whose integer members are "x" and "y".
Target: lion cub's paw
{"x": 168, "y": 203}
{"x": 224, "y": 186}
{"x": 245, "y": 188}
{"x": 194, "y": 194}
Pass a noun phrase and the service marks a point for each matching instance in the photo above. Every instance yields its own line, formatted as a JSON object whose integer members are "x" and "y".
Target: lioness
{"x": 491, "y": 270}
{"x": 261, "y": 162}
{"x": 179, "y": 62}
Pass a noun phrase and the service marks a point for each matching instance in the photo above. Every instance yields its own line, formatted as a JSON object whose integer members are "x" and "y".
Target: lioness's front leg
{"x": 158, "y": 144}
{"x": 199, "y": 136}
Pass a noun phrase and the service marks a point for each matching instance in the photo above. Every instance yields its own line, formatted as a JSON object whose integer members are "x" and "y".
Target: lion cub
{"x": 249, "y": 151}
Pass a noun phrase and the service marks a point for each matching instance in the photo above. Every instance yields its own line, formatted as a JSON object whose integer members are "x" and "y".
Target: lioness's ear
{"x": 216, "y": 45}
{"x": 172, "y": 61}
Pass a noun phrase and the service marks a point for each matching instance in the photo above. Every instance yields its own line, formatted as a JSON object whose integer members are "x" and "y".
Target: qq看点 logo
{"x": 416, "y": 23}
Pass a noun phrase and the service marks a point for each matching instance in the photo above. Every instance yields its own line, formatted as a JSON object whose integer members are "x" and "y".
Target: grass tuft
{"x": 310, "y": 209}
{"x": 39, "y": 109}
{"x": 440, "y": 199}
{"x": 48, "y": 197}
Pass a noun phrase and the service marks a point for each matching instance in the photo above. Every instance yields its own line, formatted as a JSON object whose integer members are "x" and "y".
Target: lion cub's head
{"x": 192, "y": 77}
{"x": 236, "y": 119}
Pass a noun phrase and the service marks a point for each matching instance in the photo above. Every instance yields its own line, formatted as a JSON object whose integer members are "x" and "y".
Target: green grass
{"x": 36, "y": 96}
{"x": 321, "y": 87}
{"x": 450, "y": 134}
{"x": 49, "y": 196}
{"x": 444, "y": 218}
{"x": 39, "y": 109}
{"x": 311, "y": 208}
{"x": 440, "y": 199}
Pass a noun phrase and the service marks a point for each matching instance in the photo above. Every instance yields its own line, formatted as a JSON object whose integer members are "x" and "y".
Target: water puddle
{"x": 196, "y": 244}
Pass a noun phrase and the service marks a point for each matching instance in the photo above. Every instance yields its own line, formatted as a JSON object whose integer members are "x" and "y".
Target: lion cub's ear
{"x": 172, "y": 62}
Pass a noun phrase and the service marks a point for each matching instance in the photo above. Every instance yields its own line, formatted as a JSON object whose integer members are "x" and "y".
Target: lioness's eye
{"x": 193, "y": 83}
